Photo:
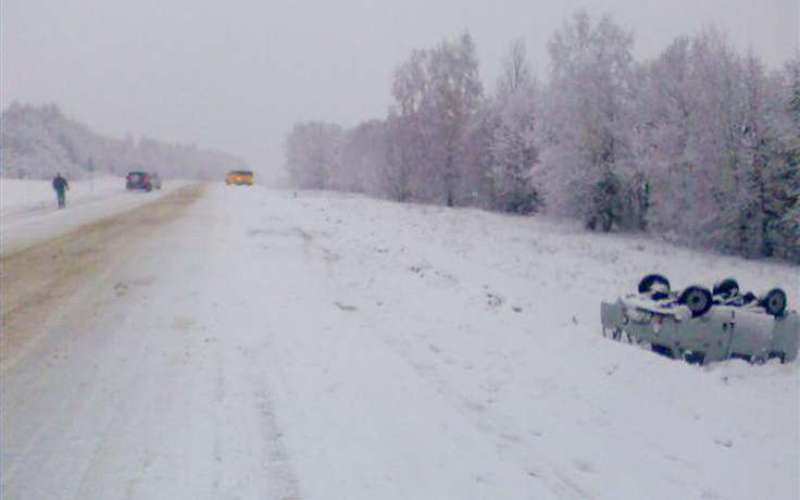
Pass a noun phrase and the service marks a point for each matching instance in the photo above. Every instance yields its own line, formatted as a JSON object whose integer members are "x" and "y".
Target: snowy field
{"x": 29, "y": 212}
{"x": 24, "y": 195}
{"x": 268, "y": 344}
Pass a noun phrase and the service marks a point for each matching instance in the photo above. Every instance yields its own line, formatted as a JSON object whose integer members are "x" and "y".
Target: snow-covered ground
{"x": 268, "y": 344}
{"x": 29, "y": 213}
{"x": 25, "y": 195}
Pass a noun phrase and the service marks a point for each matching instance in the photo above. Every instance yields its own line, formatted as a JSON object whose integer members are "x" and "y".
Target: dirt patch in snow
{"x": 40, "y": 281}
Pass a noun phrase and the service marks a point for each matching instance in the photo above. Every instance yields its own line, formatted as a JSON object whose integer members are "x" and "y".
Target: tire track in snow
{"x": 248, "y": 425}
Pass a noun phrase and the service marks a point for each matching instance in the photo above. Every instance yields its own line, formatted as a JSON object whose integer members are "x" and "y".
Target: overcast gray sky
{"x": 235, "y": 75}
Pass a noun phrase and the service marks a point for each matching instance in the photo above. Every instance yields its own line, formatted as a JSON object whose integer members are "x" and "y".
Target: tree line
{"x": 39, "y": 141}
{"x": 700, "y": 145}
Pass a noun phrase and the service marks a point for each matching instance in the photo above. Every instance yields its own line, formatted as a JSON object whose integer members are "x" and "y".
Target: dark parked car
{"x": 143, "y": 180}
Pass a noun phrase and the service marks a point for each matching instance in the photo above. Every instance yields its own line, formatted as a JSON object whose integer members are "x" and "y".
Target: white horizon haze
{"x": 236, "y": 76}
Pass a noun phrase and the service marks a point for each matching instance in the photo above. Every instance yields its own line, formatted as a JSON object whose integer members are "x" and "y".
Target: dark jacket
{"x": 60, "y": 184}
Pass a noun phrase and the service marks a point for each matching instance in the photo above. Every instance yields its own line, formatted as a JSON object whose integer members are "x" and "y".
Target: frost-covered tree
{"x": 403, "y": 159}
{"x": 587, "y": 165}
{"x": 455, "y": 93}
{"x": 313, "y": 154}
{"x": 513, "y": 141}
{"x": 517, "y": 74}
{"x": 409, "y": 131}
{"x": 707, "y": 136}
{"x": 661, "y": 134}
{"x": 718, "y": 147}
{"x": 782, "y": 231}
{"x": 477, "y": 160}
{"x": 363, "y": 155}
{"x": 437, "y": 94}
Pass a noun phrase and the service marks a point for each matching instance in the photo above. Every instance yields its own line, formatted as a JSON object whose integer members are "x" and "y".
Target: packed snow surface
{"x": 29, "y": 213}
{"x": 271, "y": 344}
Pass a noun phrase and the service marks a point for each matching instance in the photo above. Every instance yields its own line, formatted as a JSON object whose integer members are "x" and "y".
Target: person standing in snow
{"x": 60, "y": 185}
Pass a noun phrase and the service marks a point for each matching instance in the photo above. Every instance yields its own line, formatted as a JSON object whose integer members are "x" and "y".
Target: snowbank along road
{"x": 225, "y": 343}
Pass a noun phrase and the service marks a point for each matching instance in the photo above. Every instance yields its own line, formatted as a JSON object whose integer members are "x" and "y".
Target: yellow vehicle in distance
{"x": 240, "y": 178}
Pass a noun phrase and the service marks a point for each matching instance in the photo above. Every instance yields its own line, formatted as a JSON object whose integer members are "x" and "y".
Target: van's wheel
{"x": 774, "y": 302}
{"x": 654, "y": 283}
{"x": 743, "y": 357}
{"x": 727, "y": 288}
{"x": 694, "y": 357}
{"x": 781, "y": 356}
{"x": 697, "y": 299}
{"x": 662, "y": 350}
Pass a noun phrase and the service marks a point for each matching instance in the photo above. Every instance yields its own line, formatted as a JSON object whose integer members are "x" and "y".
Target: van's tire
{"x": 654, "y": 282}
{"x": 727, "y": 288}
{"x": 743, "y": 357}
{"x": 697, "y": 299}
{"x": 695, "y": 357}
{"x": 774, "y": 302}
{"x": 662, "y": 350}
{"x": 781, "y": 356}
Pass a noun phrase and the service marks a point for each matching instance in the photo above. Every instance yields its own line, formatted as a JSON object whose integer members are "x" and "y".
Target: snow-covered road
{"x": 245, "y": 343}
